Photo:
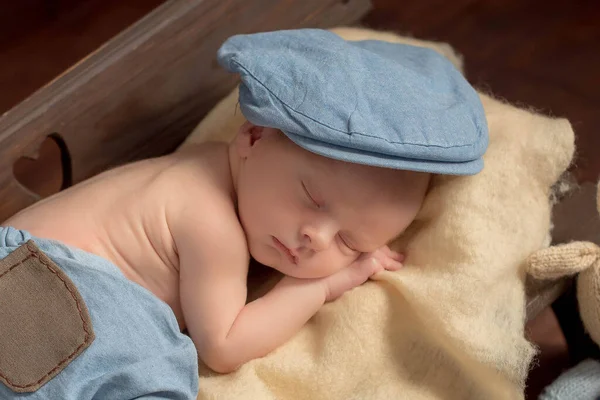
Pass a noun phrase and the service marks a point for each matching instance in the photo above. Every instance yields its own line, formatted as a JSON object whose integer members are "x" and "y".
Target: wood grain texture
{"x": 140, "y": 94}
{"x": 39, "y": 39}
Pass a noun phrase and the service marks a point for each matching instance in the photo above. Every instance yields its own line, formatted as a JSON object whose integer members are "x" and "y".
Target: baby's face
{"x": 309, "y": 216}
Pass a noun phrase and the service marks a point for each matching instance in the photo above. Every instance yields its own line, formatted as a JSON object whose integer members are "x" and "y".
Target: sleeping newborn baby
{"x": 333, "y": 162}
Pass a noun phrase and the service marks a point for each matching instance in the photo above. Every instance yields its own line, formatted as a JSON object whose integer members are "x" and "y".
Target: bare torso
{"x": 123, "y": 214}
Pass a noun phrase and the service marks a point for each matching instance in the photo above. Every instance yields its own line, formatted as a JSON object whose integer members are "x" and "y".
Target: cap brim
{"x": 384, "y": 161}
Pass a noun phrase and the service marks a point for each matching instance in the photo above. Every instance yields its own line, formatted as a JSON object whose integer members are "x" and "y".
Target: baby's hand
{"x": 357, "y": 273}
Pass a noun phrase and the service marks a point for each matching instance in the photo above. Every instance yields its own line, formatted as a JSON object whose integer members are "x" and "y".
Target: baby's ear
{"x": 246, "y": 137}
{"x": 562, "y": 260}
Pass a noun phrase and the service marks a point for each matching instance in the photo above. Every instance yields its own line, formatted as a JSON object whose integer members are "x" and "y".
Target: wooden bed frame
{"x": 144, "y": 91}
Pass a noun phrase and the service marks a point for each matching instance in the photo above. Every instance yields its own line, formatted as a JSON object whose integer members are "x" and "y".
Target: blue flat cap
{"x": 367, "y": 102}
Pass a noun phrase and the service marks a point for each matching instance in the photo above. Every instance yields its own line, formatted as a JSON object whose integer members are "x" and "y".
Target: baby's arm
{"x": 268, "y": 322}
{"x": 228, "y": 333}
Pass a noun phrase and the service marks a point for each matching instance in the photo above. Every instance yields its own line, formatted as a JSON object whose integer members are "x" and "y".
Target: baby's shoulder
{"x": 198, "y": 179}
{"x": 201, "y": 203}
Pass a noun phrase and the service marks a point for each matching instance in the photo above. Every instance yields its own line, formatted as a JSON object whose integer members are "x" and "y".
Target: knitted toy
{"x": 583, "y": 258}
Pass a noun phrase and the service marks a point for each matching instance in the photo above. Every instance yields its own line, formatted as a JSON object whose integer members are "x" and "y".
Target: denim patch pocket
{"x": 44, "y": 322}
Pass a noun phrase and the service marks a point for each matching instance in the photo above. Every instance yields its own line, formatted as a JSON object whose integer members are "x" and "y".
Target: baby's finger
{"x": 388, "y": 262}
{"x": 388, "y": 265}
{"x": 393, "y": 254}
{"x": 392, "y": 265}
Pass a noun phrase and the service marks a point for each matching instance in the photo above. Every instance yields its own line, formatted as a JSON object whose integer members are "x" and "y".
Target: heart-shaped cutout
{"x": 48, "y": 171}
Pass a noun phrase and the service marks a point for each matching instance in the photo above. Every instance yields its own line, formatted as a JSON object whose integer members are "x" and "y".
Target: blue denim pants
{"x": 137, "y": 351}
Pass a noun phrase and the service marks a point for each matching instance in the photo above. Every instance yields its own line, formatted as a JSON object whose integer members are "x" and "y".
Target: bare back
{"x": 124, "y": 214}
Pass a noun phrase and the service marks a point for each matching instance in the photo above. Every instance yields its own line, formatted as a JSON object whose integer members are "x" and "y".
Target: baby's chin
{"x": 270, "y": 257}
{"x": 297, "y": 271}
{"x": 279, "y": 265}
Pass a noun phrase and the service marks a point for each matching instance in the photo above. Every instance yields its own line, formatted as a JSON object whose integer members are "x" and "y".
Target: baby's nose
{"x": 317, "y": 240}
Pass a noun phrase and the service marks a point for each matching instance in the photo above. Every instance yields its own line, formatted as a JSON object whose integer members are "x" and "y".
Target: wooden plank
{"x": 142, "y": 93}
{"x": 39, "y": 39}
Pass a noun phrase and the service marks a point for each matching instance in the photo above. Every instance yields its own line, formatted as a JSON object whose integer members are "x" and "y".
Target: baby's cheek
{"x": 329, "y": 262}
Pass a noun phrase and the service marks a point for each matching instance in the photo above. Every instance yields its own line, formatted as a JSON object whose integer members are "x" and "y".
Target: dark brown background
{"x": 543, "y": 54}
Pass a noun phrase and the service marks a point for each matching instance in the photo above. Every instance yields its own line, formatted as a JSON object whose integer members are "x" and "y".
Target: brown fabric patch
{"x": 44, "y": 322}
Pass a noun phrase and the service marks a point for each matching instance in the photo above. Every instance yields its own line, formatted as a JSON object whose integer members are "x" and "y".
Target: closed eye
{"x": 345, "y": 242}
{"x": 309, "y": 196}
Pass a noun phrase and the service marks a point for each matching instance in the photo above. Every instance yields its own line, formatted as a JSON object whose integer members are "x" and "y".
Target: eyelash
{"x": 309, "y": 196}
